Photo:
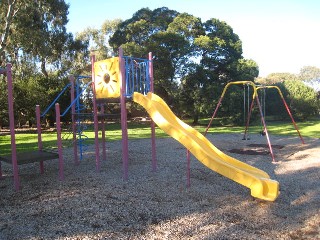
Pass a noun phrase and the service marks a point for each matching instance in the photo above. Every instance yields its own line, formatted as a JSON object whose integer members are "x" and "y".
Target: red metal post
{"x": 265, "y": 127}
{"x": 153, "y": 131}
{"x": 12, "y": 131}
{"x": 293, "y": 122}
{"x": 287, "y": 108}
{"x": 59, "y": 142}
{"x": 95, "y": 117}
{"x": 213, "y": 115}
{"x": 124, "y": 127}
{"x": 248, "y": 120}
{"x": 38, "y": 119}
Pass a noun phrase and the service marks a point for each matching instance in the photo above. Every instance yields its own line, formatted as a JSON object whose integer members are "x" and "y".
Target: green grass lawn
{"x": 28, "y": 141}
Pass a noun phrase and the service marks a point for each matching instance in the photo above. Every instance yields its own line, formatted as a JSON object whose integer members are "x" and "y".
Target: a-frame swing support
{"x": 254, "y": 98}
{"x": 286, "y": 106}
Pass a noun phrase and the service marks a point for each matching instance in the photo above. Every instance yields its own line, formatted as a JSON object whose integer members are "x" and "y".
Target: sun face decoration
{"x": 107, "y": 80}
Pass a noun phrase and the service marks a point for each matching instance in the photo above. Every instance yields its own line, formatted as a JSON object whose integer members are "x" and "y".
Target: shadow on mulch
{"x": 265, "y": 145}
{"x": 250, "y": 151}
{"x": 259, "y": 149}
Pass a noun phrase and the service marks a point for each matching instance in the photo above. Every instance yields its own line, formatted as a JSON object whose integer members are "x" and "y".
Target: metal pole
{"x": 12, "y": 132}
{"x": 213, "y": 115}
{"x": 95, "y": 117}
{"x": 248, "y": 121}
{"x": 103, "y": 129}
{"x": 73, "y": 121}
{"x": 59, "y": 142}
{"x": 124, "y": 127}
{"x": 244, "y": 103}
{"x": 153, "y": 131}
{"x": 265, "y": 128}
{"x": 293, "y": 122}
{"x": 38, "y": 119}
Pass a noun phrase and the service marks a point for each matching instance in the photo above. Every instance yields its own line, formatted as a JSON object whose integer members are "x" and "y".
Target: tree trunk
{"x": 195, "y": 119}
{"x": 43, "y": 68}
{"x": 6, "y": 31}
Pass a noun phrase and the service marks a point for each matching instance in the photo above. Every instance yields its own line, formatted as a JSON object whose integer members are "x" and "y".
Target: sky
{"x": 280, "y": 35}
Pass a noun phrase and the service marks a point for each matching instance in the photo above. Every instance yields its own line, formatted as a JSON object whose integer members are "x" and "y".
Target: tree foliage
{"x": 302, "y": 99}
{"x": 34, "y": 39}
{"x": 309, "y": 73}
{"x": 97, "y": 40}
{"x": 189, "y": 56}
{"x": 274, "y": 78}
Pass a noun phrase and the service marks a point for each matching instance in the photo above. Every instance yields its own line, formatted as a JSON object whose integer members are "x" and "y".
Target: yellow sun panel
{"x": 107, "y": 78}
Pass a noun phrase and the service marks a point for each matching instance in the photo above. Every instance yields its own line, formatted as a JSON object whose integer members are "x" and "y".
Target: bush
{"x": 302, "y": 100}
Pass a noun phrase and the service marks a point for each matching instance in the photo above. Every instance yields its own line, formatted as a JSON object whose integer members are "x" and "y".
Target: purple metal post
{"x": 95, "y": 116}
{"x": 153, "y": 130}
{"x": 2, "y": 71}
{"x": 59, "y": 142}
{"x": 38, "y": 118}
{"x": 12, "y": 132}
{"x": 124, "y": 127}
{"x": 73, "y": 121}
{"x": 103, "y": 129}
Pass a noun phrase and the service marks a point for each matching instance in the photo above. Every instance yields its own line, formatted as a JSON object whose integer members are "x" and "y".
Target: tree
{"x": 244, "y": 70}
{"x": 147, "y": 31}
{"x": 6, "y": 19}
{"x": 302, "y": 99}
{"x": 219, "y": 48}
{"x": 35, "y": 31}
{"x": 274, "y": 78}
{"x": 34, "y": 40}
{"x": 221, "y": 61}
{"x": 196, "y": 95}
{"x": 97, "y": 40}
{"x": 309, "y": 73}
{"x": 189, "y": 56}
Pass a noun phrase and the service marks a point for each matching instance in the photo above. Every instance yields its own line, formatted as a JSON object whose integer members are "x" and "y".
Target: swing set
{"x": 248, "y": 108}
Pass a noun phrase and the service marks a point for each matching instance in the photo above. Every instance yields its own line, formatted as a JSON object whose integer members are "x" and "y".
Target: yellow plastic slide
{"x": 258, "y": 181}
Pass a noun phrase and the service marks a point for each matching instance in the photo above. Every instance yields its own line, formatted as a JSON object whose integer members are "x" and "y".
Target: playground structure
{"x": 255, "y": 98}
{"x": 125, "y": 79}
{"x": 137, "y": 76}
